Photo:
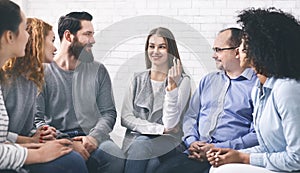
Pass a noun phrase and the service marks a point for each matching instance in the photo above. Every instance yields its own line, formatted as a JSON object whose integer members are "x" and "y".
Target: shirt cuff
{"x": 12, "y": 137}
{"x": 188, "y": 141}
{"x": 257, "y": 159}
{"x": 173, "y": 93}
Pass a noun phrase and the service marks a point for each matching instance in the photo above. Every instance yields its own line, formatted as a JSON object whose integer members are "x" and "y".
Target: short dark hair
{"x": 170, "y": 41}
{"x": 10, "y": 17}
{"x": 72, "y": 23}
{"x": 236, "y": 36}
{"x": 272, "y": 39}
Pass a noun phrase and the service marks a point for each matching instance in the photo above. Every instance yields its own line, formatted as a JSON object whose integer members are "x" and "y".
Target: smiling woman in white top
{"x": 154, "y": 104}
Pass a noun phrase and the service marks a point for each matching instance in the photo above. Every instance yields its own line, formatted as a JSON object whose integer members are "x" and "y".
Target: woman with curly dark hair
{"x": 270, "y": 46}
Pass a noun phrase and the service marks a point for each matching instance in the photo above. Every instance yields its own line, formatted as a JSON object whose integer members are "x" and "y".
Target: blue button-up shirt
{"x": 220, "y": 111}
{"x": 277, "y": 124}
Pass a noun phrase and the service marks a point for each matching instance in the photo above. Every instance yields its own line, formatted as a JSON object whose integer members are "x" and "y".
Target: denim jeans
{"x": 69, "y": 163}
{"x": 108, "y": 158}
{"x": 181, "y": 163}
{"x": 146, "y": 151}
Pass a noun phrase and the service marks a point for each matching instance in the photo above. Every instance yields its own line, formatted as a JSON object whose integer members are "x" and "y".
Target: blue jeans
{"x": 69, "y": 163}
{"x": 181, "y": 163}
{"x": 108, "y": 158}
{"x": 146, "y": 152}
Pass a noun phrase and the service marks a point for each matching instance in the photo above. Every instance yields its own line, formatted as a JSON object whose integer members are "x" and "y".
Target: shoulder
{"x": 141, "y": 75}
{"x": 286, "y": 88}
{"x": 210, "y": 77}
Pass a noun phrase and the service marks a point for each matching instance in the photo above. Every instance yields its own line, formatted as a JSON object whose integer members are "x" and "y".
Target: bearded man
{"x": 77, "y": 97}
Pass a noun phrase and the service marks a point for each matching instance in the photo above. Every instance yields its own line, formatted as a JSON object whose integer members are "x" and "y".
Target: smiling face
{"x": 81, "y": 46}
{"x": 50, "y": 49}
{"x": 244, "y": 61}
{"x": 225, "y": 59}
{"x": 158, "y": 52}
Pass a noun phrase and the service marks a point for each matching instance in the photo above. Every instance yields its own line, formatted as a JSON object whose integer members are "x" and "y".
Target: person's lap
{"x": 243, "y": 168}
{"x": 107, "y": 158}
{"x": 71, "y": 162}
{"x": 181, "y": 163}
{"x": 146, "y": 151}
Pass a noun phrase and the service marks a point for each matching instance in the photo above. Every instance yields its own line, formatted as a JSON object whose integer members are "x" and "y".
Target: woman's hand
{"x": 44, "y": 133}
{"x": 174, "y": 74}
{"x": 221, "y": 156}
{"x": 42, "y": 153}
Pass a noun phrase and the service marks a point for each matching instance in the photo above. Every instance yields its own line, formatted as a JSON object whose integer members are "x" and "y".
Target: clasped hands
{"x": 198, "y": 149}
{"x": 220, "y": 156}
{"x": 84, "y": 145}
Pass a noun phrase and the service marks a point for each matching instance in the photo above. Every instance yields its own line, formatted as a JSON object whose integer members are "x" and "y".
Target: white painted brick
{"x": 284, "y": 4}
{"x": 209, "y": 12}
{"x": 181, "y": 4}
{"x": 202, "y": 4}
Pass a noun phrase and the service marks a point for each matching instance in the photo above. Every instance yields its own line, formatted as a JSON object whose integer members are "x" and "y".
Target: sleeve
{"x": 286, "y": 100}
{"x": 255, "y": 149}
{"x": 175, "y": 103}
{"x": 106, "y": 105}
{"x": 246, "y": 141}
{"x": 12, "y": 156}
{"x": 12, "y": 137}
{"x": 39, "y": 119}
{"x": 190, "y": 120}
{"x": 130, "y": 121}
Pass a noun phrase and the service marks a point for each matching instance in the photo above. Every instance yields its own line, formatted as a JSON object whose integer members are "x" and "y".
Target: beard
{"x": 80, "y": 52}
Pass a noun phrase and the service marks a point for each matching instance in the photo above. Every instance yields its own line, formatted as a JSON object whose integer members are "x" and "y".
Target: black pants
{"x": 180, "y": 163}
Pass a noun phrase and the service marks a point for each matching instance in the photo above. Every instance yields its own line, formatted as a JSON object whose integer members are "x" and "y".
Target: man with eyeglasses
{"x": 220, "y": 111}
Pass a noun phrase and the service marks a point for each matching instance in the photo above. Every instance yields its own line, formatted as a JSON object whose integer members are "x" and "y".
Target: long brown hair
{"x": 171, "y": 45}
{"x": 30, "y": 66}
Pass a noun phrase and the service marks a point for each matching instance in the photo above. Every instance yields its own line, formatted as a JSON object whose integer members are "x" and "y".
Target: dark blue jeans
{"x": 180, "y": 163}
{"x": 69, "y": 163}
{"x": 108, "y": 158}
{"x": 147, "y": 152}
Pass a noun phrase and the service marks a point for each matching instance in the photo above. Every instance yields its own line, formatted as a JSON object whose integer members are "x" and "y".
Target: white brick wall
{"x": 122, "y": 27}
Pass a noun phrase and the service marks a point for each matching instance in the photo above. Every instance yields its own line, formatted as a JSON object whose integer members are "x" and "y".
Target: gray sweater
{"x": 11, "y": 156}
{"x": 77, "y": 100}
{"x": 19, "y": 97}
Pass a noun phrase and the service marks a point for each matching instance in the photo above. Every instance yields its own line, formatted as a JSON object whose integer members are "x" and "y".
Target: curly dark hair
{"x": 272, "y": 39}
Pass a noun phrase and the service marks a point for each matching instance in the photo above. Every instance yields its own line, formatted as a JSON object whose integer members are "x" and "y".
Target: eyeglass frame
{"x": 218, "y": 49}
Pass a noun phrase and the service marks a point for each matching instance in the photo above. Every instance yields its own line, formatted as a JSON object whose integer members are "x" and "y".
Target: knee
{"x": 109, "y": 147}
{"x": 140, "y": 148}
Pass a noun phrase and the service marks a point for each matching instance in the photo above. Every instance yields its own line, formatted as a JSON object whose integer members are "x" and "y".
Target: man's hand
{"x": 88, "y": 142}
{"x": 198, "y": 150}
{"x": 78, "y": 146}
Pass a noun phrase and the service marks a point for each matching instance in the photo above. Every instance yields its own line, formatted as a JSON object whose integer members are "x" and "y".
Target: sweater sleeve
{"x": 12, "y": 156}
{"x": 175, "y": 102}
{"x": 106, "y": 106}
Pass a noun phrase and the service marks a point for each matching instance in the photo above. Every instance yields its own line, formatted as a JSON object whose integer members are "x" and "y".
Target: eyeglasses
{"x": 218, "y": 49}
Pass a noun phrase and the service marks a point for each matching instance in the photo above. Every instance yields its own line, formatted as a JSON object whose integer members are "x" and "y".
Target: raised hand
{"x": 174, "y": 74}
